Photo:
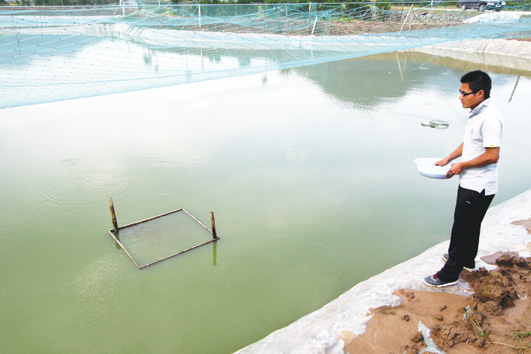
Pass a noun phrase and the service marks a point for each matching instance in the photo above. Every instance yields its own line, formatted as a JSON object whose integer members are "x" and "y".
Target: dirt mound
{"x": 495, "y": 319}
{"x": 487, "y": 323}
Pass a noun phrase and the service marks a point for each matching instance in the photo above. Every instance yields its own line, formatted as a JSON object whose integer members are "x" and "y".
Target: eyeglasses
{"x": 466, "y": 93}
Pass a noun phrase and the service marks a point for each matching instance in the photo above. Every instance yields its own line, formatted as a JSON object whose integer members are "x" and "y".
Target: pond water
{"x": 309, "y": 171}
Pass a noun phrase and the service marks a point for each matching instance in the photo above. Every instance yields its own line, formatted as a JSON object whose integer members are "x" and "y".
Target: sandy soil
{"x": 496, "y": 319}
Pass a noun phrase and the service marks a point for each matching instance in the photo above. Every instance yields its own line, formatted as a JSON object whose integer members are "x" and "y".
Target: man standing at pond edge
{"x": 478, "y": 176}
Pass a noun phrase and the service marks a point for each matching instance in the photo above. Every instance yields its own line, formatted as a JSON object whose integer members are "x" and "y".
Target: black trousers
{"x": 470, "y": 209}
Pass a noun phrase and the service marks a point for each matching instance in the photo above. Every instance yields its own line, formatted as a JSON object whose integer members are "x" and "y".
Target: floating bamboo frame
{"x": 116, "y": 230}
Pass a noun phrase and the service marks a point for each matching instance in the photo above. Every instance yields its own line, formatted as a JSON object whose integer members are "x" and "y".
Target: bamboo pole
{"x": 114, "y": 233}
{"x": 176, "y": 254}
{"x": 199, "y": 7}
{"x": 113, "y": 216}
{"x": 152, "y": 218}
{"x": 124, "y": 249}
{"x": 213, "y": 221}
{"x": 197, "y": 221}
{"x": 314, "y": 24}
{"x": 405, "y": 20}
{"x": 514, "y": 89}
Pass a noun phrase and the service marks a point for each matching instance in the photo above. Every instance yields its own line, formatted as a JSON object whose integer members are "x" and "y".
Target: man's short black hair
{"x": 478, "y": 80}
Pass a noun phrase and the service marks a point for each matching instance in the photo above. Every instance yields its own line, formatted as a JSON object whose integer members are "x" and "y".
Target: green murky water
{"x": 310, "y": 173}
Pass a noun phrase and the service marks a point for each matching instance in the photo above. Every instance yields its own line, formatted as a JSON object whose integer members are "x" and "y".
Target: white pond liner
{"x": 319, "y": 332}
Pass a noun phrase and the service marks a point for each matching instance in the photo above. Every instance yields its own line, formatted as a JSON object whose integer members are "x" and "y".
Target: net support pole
{"x": 314, "y": 24}
{"x": 213, "y": 221}
{"x": 405, "y": 20}
{"x": 113, "y": 216}
{"x": 199, "y": 12}
{"x": 514, "y": 89}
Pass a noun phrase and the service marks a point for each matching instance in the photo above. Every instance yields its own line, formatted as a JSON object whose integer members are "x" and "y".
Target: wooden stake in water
{"x": 113, "y": 216}
{"x": 213, "y": 224}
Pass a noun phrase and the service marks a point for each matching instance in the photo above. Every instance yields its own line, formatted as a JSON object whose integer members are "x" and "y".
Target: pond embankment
{"x": 506, "y": 228}
{"x": 511, "y": 54}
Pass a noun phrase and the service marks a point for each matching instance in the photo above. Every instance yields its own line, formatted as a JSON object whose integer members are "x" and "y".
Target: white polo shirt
{"x": 483, "y": 130}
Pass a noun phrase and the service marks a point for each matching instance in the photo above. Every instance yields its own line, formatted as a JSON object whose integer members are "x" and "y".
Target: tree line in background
{"x": 56, "y": 2}
{"x": 350, "y": 4}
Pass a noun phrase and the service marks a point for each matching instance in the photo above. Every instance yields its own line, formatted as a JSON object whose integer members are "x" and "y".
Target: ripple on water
{"x": 73, "y": 182}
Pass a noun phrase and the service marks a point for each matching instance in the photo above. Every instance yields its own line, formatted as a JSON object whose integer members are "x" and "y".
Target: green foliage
{"x": 520, "y": 334}
{"x": 283, "y": 2}
{"x": 520, "y": 5}
{"x": 480, "y": 331}
{"x": 354, "y": 5}
{"x": 246, "y": 7}
{"x": 62, "y": 2}
{"x": 383, "y": 5}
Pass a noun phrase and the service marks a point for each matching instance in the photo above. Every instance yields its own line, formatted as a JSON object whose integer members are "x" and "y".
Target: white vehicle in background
{"x": 482, "y": 5}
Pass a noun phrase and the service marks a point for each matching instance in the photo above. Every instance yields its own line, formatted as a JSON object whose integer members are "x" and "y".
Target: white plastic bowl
{"x": 426, "y": 167}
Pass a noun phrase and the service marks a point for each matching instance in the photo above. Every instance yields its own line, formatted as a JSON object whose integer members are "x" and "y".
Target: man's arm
{"x": 453, "y": 155}
{"x": 490, "y": 156}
